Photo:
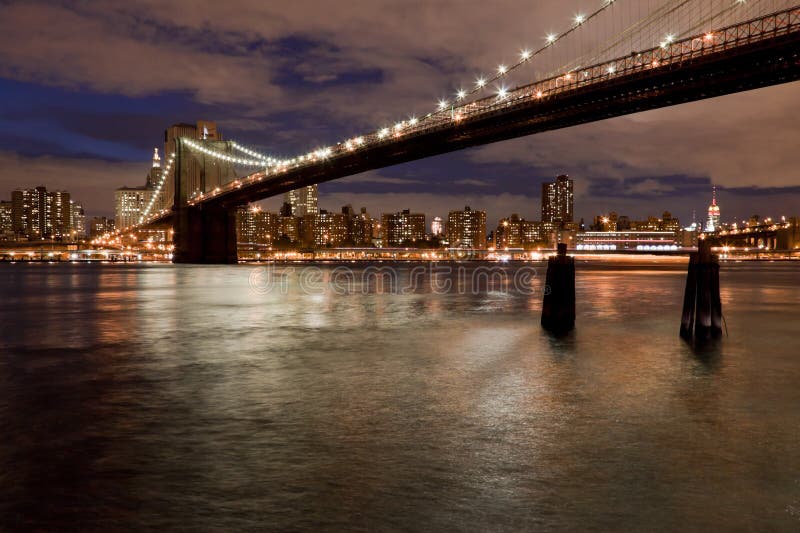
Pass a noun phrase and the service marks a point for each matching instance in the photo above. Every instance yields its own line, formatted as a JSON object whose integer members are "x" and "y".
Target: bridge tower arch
{"x": 204, "y": 232}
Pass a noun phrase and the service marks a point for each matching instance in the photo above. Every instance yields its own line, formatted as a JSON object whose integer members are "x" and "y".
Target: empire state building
{"x": 712, "y": 224}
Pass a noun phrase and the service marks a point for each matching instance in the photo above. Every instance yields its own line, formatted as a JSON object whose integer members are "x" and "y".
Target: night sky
{"x": 89, "y": 87}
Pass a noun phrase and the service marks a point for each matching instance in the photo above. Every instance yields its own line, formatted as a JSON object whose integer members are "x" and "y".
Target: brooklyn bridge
{"x": 612, "y": 62}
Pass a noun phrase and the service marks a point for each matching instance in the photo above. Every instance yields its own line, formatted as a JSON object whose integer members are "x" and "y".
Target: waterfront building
{"x": 404, "y": 227}
{"x": 6, "y": 221}
{"x": 131, "y": 202}
{"x": 516, "y": 232}
{"x": 615, "y": 222}
{"x": 38, "y": 214}
{"x": 324, "y": 229}
{"x": 129, "y": 205}
{"x": 467, "y": 228}
{"x": 303, "y": 201}
{"x": 78, "y": 221}
{"x": 558, "y": 200}
{"x": 290, "y": 228}
{"x": 713, "y": 221}
{"x": 688, "y": 236}
{"x": 359, "y": 226}
{"x": 100, "y": 226}
{"x": 626, "y": 240}
{"x": 255, "y": 226}
{"x": 60, "y": 214}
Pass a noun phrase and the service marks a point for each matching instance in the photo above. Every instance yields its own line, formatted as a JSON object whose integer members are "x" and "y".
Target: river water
{"x": 251, "y": 398}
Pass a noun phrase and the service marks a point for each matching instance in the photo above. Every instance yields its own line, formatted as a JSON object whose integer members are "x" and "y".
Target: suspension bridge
{"x": 625, "y": 57}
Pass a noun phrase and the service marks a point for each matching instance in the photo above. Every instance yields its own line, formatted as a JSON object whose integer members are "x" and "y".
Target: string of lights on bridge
{"x": 272, "y": 165}
{"x": 161, "y": 182}
{"x": 257, "y": 159}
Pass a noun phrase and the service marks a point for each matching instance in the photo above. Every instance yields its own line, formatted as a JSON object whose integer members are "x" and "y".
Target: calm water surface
{"x": 179, "y": 397}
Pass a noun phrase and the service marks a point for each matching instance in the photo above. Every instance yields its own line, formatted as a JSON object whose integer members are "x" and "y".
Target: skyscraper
{"x": 78, "y": 220}
{"x": 36, "y": 213}
{"x": 303, "y": 201}
{"x": 712, "y": 224}
{"x": 467, "y": 228}
{"x": 6, "y": 221}
{"x": 558, "y": 200}
{"x": 154, "y": 175}
{"x": 60, "y": 214}
{"x": 130, "y": 202}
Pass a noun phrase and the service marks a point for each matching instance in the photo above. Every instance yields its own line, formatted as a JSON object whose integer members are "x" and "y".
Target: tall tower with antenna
{"x": 712, "y": 224}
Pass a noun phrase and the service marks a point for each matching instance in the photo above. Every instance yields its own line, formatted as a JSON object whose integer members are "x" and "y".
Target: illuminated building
{"x": 27, "y": 212}
{"x": 255, "y": 226}
{"x": 99, "y": 226}
{"x": 626, "y": 240}
{"x": 6, "y": 221}
{"x": 155, "y": 171}
{"x": 324, "y": 229}
{"x": 304, "y": 201}
{"x": 38, "y": 214}
{"x": 516, "y": 232}
{"x": 466, "y": 228}
{"x": 687, "y": 237}
{"x": 59, "y": 214}
{"x": 712, "y": 224}
{"x": 130, "y": 203}
{"x": 558, "y": 200}
{"x": 78, "y": 220}
{"x": 359, "y": 226}
{"x": 405, "y": 227}
{"x": 290, "y": 228}
{"x": 437, "y": 227}
{"x": 614, "y": 222}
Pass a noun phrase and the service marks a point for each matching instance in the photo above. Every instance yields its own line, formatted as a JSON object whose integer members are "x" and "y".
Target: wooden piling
{"x": 702, "y": 305}
{"x": 689, "y": 296}
{"x": 558, "y": 306}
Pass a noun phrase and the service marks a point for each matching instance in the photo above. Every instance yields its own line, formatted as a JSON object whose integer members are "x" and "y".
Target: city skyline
{"x": 557, "y": 210}
{"x": 108, "y": 120}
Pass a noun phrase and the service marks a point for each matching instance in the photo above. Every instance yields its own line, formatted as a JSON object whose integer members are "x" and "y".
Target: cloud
{"x": 737, "y": 140}
{"x": 473, "y": 182}
{"x": 286, "y": 76}
{"x": 90, "y": 181}
{"x": 374, "y": 177}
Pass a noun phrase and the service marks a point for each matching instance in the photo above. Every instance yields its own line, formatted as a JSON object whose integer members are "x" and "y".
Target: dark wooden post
{"x": 702, "y": 305}
{"x": 689, "y": 296}
{"x": 558, "y": 306}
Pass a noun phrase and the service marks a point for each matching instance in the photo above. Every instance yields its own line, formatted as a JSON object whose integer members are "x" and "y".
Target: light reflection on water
{"x": 169, "y": 396}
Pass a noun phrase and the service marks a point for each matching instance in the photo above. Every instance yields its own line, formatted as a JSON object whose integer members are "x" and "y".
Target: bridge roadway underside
{"x": 745, "y": 67}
